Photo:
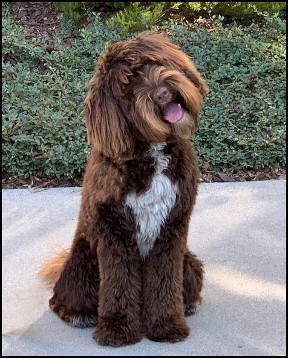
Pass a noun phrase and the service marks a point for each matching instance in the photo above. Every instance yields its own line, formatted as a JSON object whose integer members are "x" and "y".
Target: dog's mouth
{"x": 173, "y": 112}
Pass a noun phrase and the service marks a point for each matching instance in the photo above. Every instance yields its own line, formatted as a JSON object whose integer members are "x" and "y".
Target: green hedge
{"x": 235, "y": 9}
{"x": 242, "y": 124}
{"x": 137, "y": 16}
{"x": 77, "y": 11}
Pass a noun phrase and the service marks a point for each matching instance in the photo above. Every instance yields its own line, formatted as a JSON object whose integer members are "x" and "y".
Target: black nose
{"x": 162, "y": 95}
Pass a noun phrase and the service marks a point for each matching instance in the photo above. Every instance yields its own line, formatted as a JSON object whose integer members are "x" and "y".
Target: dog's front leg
{"x": 120, "y": 286}
{"x": 163, "y": 313}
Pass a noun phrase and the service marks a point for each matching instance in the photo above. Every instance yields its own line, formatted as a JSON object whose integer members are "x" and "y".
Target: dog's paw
{"x": 116, "y": 332}
{"x": 169, "y": 330}
{"x": 191, "y": 308}
{"x": 78, "y": 320}
{"x": 82, "y": 320}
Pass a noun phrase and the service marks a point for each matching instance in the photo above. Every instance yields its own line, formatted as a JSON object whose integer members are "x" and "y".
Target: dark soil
{"x": 207, "y": 176}
{"x": 39, "y": 18}
{"x": 43, "y": 18}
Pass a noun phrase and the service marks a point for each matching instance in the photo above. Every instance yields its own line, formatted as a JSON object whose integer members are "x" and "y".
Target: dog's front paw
{"x": 115, "y": 331}
{"x": 74, "y": 319}
{"x": 169, "y": 330}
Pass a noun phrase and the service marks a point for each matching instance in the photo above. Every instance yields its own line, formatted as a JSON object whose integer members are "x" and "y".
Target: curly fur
{"x": 129, "y": 271}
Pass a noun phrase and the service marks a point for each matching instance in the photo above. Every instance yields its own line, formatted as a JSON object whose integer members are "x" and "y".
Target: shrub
{"x": 43, "y": 127}
{"x": 78, "y": 10}
{"x": 236, "y": 9}
{"x": 137, "y": 17}
{"x": 242, "y": 123}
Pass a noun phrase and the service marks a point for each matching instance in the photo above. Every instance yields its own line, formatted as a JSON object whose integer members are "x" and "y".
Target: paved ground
{"x": 237, "y": 229}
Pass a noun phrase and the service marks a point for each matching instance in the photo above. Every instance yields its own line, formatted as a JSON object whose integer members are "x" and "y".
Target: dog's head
{"x": 144, "y": 89}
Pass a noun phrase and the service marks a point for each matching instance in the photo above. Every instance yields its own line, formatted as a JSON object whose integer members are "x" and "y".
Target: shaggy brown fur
{"x": 129, "y": 271}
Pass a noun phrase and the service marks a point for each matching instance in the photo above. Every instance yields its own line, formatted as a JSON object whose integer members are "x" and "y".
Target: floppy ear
{"x": 194, "y": 76}
{"x": 187, "y": 66}
{"x": 107, "y": 125}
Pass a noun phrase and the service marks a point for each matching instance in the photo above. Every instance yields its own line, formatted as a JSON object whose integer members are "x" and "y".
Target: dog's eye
{"x": 135, "y": 74}
{"x": 139, "y": 73}
{"x": 134, "y": 80}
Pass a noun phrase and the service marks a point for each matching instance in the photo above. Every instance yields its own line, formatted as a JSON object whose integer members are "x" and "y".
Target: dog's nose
{"x": 162, "y": 95}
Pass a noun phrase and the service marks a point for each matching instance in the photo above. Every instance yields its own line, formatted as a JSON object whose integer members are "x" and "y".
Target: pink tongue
{"x": 173, "y": 112}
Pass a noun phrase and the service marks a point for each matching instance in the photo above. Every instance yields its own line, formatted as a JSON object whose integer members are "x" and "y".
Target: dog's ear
{"x": 194, "y": 76}
{"x": 107, "y": 127}
{"x": 186, "y": 65}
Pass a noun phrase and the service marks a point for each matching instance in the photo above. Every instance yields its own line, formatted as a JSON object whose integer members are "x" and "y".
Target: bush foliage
{"x": 134, "y": 16}
{"x": 243, "y": 120}
{"x": 235, "y": 9}
{"x": 242, "y": 124}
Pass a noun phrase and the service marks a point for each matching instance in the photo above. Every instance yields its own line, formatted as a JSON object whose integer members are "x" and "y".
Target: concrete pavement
{"x": 237, "y": 229}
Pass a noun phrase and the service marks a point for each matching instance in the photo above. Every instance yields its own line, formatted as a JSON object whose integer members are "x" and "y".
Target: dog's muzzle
{"x": 171, "y": 109}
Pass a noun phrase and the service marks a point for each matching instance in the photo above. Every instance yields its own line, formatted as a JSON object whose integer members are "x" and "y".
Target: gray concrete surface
{"x": 237, "y": 229}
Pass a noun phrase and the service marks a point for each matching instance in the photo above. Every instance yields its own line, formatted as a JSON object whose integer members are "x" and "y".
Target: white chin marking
{"x": 152, "y": 208}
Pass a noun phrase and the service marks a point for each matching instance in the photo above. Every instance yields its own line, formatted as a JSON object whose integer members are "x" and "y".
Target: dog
{"x": 129, "y": 271}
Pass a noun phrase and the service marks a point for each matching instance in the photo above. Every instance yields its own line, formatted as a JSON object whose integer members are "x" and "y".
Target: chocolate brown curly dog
{"x": 129, "y": 271}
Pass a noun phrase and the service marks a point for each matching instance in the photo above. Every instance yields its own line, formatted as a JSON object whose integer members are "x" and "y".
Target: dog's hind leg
{"x": 192, "y": 282}
{"x": 75, "y": 297}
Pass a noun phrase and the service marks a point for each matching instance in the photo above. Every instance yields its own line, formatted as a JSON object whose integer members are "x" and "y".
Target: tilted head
{"x": 144, "y": 89}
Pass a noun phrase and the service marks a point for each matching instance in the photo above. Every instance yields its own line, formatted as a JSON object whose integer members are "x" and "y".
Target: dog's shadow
{"x": 49, "y": 336}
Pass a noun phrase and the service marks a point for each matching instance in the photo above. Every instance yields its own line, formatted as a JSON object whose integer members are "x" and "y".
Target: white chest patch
{"x": 152, "y": 208}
